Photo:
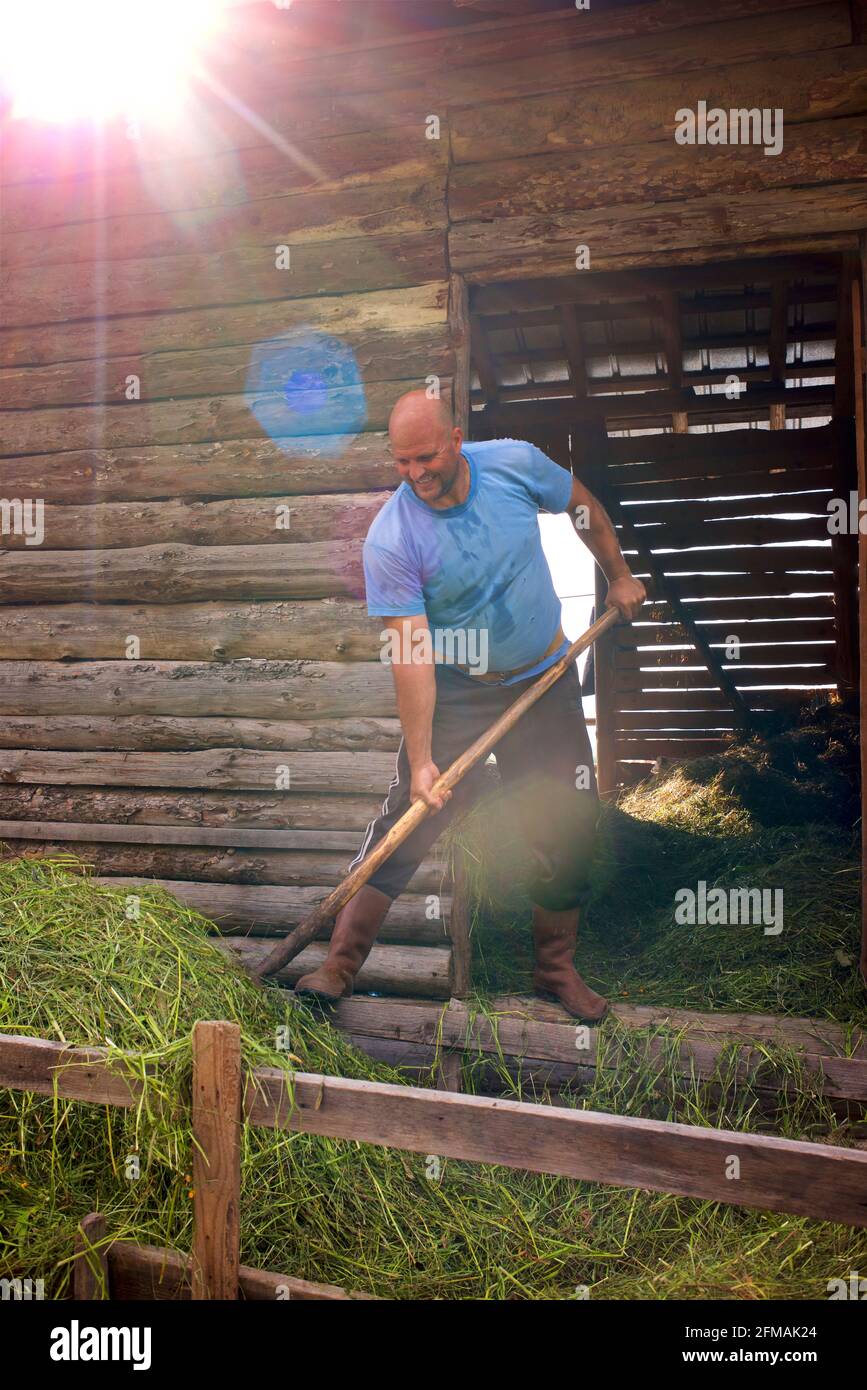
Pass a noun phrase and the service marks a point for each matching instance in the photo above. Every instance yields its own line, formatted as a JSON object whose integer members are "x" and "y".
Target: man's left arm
{"x": 625, "y": 592}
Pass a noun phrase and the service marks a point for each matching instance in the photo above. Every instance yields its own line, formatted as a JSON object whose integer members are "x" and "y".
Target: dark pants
{"x": 545, "y": 764}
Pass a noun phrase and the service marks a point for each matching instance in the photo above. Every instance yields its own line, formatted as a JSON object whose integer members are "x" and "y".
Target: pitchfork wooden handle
{"x": 419, "y": 810}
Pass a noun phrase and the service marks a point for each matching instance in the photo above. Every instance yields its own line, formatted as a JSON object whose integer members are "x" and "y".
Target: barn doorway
{"x": 711, "y": 409}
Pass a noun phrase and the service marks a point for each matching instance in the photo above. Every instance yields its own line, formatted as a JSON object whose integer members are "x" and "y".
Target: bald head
{"x": 415, "y": 410}
{"x": 426, "y": 446}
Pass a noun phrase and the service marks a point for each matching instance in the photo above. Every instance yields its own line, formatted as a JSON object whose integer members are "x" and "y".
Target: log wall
{"x": 164, "y": 660}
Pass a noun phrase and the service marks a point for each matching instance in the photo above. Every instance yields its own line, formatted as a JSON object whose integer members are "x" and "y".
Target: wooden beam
{"x": 412, "y": 970}
{"x": 816, "y": 1180}
{"x": 151, "y": 1272}
{"x": 574, "y": 348}
{"x": 859, "y": 315}
{"x": 216, "y": 1126}
{"x": 90, "y": 1271}
{"x": 263, "y": 909}
{"x": 459, "y": 334}
{"x": 460, "y": 923}
{"x": 845, "y": 547}
{"x": 113, "y": 805}
{"x": 274, "y": 692}
{"x": 649, "y": 406}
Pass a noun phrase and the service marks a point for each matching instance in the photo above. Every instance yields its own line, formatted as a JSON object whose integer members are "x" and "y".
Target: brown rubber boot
{"x": 555, "y": 976}
{"x": 355, "y": 931}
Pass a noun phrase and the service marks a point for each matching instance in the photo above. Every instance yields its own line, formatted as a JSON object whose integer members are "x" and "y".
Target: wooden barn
{"x": 206, "y": 321}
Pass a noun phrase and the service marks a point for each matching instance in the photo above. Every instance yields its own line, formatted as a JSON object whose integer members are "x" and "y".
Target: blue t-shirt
{"x": 478, "y": 567}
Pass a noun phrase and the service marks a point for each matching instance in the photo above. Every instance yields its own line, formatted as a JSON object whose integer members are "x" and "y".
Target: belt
{"x": 557, "y": 641}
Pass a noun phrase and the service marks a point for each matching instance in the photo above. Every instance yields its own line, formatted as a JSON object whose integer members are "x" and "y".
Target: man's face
{"x": 428, "y": 458}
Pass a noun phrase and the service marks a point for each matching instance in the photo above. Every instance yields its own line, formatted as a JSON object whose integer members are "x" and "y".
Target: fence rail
{"x": 814, "y": 1180}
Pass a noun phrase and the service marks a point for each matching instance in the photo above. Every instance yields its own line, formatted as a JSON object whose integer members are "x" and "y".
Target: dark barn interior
{"x": 712, "y": 409}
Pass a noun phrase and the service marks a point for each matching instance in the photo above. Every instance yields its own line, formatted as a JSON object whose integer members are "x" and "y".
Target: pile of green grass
{"x": 74, "y": 967}
{"x": 770, "y": 812}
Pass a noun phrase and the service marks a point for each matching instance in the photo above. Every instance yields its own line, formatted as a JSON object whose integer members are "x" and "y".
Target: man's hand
{"x": 627, "y": 594}
{"x": 422, "y": 780}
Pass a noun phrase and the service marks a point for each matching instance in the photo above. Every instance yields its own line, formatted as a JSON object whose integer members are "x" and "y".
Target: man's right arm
{"x": 415, "y": 687}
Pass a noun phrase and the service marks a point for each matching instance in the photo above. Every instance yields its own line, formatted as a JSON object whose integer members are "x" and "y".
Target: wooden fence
{"x": 813, "y": 1180}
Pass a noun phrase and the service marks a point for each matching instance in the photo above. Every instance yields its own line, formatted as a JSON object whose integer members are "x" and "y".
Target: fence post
{"x": 90, "y": 1268}
{"x": 460, "y": 917}
{"x": 216, "y": 1160}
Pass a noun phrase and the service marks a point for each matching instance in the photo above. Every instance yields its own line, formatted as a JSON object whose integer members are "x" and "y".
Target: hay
{"x": 775, "y": 812}
{"x": 76, "y": 969}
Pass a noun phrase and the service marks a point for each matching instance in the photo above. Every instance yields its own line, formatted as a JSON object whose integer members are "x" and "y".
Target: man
{"x": 456, "y": 552}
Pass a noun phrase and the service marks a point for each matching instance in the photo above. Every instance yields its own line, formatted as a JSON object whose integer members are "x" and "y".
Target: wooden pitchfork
{"x": 419, "y": 810}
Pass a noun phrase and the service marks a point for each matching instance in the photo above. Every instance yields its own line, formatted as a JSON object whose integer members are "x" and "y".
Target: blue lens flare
{"x": 305, "y": 390}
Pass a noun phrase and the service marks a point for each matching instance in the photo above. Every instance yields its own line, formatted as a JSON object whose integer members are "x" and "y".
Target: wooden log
{"x": 366, "y": 322}
{"x": 567, "y": 53}
{"x": 143, "y": 734}
{"x": 182, "y": 573}
{"x": 226, "y": 371}
{"x": 551, "y": 185}
{"x": 244, "y": 769}
{"x": 512, "y": 247}
{"x": 144, "y": 834}
{"x": 812, "y": 87}
{"x": 404, "y": 207}
{"x": 405, "y": 970}
{"x": 216, "y": 1125}
{"x": 225, "y": 180}
{"x": 286, "y": 520}
{"x": 304, "y": 113}
{"x": 170, "y": 862}
{"x": 143, "y": 807}
{"x": 265, "y": 910}
{"x": 90, "y": 1275}
{"x": 323, "y": 630}
{"x": 531, "y": 1028}
{"x": 51, "y": 294}
{"x": 283, "y": 691}
{"x": 817, "y": 1180}
{"x": 151, "y": 1272}
{"x": 201, "y": 419}
{"x": 312, "y": 464}
{"x": 311, "y": 94}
